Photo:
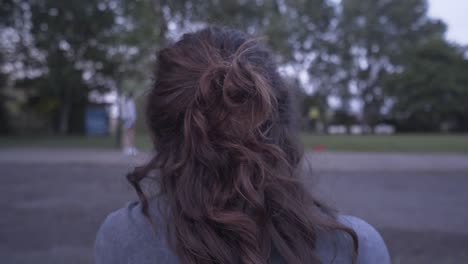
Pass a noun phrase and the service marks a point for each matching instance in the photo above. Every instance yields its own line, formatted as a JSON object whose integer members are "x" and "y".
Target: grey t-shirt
{"x": 126, "y": 237}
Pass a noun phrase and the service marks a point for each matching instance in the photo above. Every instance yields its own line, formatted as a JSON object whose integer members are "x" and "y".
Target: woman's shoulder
{"x": 372, "y": 248}
{"x": 126, "y": 236}
{"x": 337, "y": 247}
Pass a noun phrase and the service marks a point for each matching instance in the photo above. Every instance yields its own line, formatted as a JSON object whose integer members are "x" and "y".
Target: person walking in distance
{"x": 128, "y": 120}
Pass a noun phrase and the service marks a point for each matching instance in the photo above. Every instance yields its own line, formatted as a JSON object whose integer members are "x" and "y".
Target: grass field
{"x": 429, "y": 143}
{"x": 100, "y": 142}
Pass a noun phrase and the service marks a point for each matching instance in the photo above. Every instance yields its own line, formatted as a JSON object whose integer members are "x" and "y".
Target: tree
{"x": 295, "y": 29}
{"x": 77, "y": 47}
{"x": 7, "y": 21}
{"x": 4, "y": 118}
{"x": 80, "y": 46}
{"x": 74, "y": 40}
{"x": 143, "y": 31}
{"x": 431, "y": 92}
{"x": 374, "y": 35}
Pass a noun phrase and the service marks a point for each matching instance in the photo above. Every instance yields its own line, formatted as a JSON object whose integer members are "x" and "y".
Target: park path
{"x": 319, "y": 161}
{"x": 416, "y": 201}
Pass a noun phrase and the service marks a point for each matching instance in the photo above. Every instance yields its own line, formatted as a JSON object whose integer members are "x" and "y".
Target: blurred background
{"x": 383, "y": 96}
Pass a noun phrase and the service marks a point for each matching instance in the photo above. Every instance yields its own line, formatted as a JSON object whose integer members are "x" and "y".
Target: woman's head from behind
{"x": 218, "y": 85}
{"x": 223, "y": 124}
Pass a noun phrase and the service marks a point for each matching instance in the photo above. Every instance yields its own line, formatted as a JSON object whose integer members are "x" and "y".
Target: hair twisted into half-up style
{"x": 228, "y": 160}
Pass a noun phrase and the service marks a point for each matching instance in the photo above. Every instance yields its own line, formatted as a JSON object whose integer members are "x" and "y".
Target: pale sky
{"x": 455, "y": 14}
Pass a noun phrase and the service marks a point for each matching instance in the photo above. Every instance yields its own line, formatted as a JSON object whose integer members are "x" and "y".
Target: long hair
{"x": 228, "y": 159}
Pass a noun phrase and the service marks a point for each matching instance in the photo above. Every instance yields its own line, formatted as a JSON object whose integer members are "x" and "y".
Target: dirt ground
{"x": 51, "y": 212}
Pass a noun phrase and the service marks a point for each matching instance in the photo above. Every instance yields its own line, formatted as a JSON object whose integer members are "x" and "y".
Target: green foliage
{"x": 6, "y": 20}
{"x": 4, "y": 118}
{"x": 374, "y": 36}
{"x": 431, "y": 93}
{"x": 364, "y": 50}
{"x": 71, "y": 46}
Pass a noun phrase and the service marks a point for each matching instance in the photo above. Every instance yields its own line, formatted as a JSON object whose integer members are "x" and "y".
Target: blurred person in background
{"x": 129, "y": 116}
{"x": 228, "y": 167}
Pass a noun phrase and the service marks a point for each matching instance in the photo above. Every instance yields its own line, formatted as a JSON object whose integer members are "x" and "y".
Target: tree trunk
{"x": 159, "y": 13}
{"x": 64, "y": 117}
{"x": 118, "y": 132}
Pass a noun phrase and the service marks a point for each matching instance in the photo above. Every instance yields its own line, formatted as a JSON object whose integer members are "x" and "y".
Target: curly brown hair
{"x": 224, "y": 126}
